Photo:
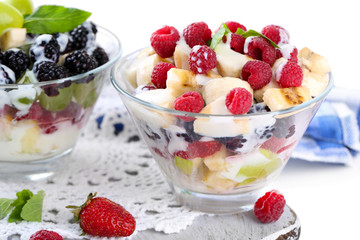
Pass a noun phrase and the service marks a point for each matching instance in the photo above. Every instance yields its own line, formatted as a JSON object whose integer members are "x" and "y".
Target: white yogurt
{"x": 25, "y": 141}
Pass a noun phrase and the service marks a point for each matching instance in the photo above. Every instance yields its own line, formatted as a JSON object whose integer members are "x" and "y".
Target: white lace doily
{"x": 111, "y": 159}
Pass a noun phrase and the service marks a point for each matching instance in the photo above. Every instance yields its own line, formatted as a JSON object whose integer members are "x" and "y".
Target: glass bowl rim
{"x": 94, "y": 71}
{"x": 292, "y": 110}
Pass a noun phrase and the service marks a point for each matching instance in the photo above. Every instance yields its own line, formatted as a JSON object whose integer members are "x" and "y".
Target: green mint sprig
{"x": 224, "y": 30}
{"x": 253, "y": 33}
{"x": 53, "y": 19}
{"x": 26, "y": 207}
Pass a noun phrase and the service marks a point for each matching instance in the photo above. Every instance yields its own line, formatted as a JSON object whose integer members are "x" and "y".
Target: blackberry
{"x": 259, "y": 108}
{"x": 16, "y": 60}
{"x": 82, "y": 36}
{"x": 45, "y": 48}
{"x": 285, "y": 127}
{"x": 100, "y": 55}
{"x": 46, "y": 71}
{"x": 234, "y": 144}
{"x": 189, "y": 135}
{"x": 265, "y": 133}
{"x": 157, "y": 135}
{"x": 1, "y": 56}
{"x": 7, "y": 76}
{"x": 79, "y": 62}
{"x": 63, "y": 41}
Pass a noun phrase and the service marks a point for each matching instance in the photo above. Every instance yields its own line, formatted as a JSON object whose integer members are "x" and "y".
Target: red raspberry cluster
{"x": 202, "y": 58}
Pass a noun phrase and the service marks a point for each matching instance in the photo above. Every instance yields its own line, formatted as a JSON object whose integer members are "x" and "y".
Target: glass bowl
{"x": 41, "y": 122}
{"x": 216, "y": 163}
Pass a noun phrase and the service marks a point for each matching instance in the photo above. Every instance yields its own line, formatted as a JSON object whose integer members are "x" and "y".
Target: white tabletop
{"x": 325, "y": 197}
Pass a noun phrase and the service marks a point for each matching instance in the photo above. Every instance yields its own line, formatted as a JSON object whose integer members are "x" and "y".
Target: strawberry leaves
{"x": 5, "y": 207}
{"x": 26, "y": 206}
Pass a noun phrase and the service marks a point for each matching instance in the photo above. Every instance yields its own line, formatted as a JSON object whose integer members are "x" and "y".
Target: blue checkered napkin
{"x": 333, "y": 135}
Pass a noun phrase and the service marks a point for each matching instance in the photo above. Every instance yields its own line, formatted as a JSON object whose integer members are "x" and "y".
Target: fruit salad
{"x": 46, "y": 90}
{"x": 216, "y": 105}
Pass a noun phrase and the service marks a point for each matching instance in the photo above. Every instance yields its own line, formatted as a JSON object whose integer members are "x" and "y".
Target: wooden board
{"x": 229, "y": 227}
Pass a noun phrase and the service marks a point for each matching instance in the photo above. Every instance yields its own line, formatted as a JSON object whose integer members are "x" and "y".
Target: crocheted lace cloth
{"x": 110, "y": 158}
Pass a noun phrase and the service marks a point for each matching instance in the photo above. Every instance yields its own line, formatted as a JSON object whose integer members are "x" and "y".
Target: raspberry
{"x": 189, "y": 102}
{"x": 197, "y": 33}
{"x": 45, "y": 46}
{"x": 45, "y": 235}
{"x": 277, "y": 34}
{"x": 199, "y": 149}
{"x": 202, "y": 59}
{"x": 164, "y": 41}
{"x": 289, "y": 52}
{"x": 238, "y": 101}
{"x": 79, "y": 62}
{"x": 100, "y": 56}
{"x": 261, "y": 49}
{"x": 233, "y": 26}
{"x": 159, "y": 74}
{"x": 237, "y": 43}
{"x": 269, "y": 207}
{"x": 256, "y": 73}
{"x": 289, "y": 74}
{"x": 35, "y": 112}
{"x": 16, "y": 60}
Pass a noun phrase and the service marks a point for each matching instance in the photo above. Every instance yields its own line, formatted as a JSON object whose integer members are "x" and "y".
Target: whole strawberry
{"x": 45, "y": 235}
{"x": 102, "y": 217}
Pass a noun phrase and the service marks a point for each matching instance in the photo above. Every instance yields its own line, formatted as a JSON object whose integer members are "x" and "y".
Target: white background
{"x": 325, "y": 197}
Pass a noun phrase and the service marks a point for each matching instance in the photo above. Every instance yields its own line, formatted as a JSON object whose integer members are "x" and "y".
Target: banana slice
{"x": 259, "y": 94}
{"x": 12, "y": 38}
{"x": 220, "y": 126}
{"x": 216, "y": 162}
{"x": 282, "y": 98}
{"x": 160, "y": 97}
{"x": 145, "y": 68}
{"x": 315, "y": 82}
{"x": 313, "y": 61}
{"x": 215, "y": 180}
{"x": 220, "y": 87}
{"x": 146, "y": 52}
{"x": 202, "y": 79}
{"x": 181, "y": 55}
{"x": 132, "y": 68}
{"x": 180, "y": 81}
{"x": 230, "y": 63}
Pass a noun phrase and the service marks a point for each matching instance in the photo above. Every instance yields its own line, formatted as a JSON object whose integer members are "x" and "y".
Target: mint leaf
{"x": 240, "y": 31}
{"x": 32, "y": 210}
{"x": 19, "y": 203}
{"x": 5, "y": 207}
{"x": 52, "y": 19}
{"x": 224, "y": 30}
{"x": 253, "y": 33}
